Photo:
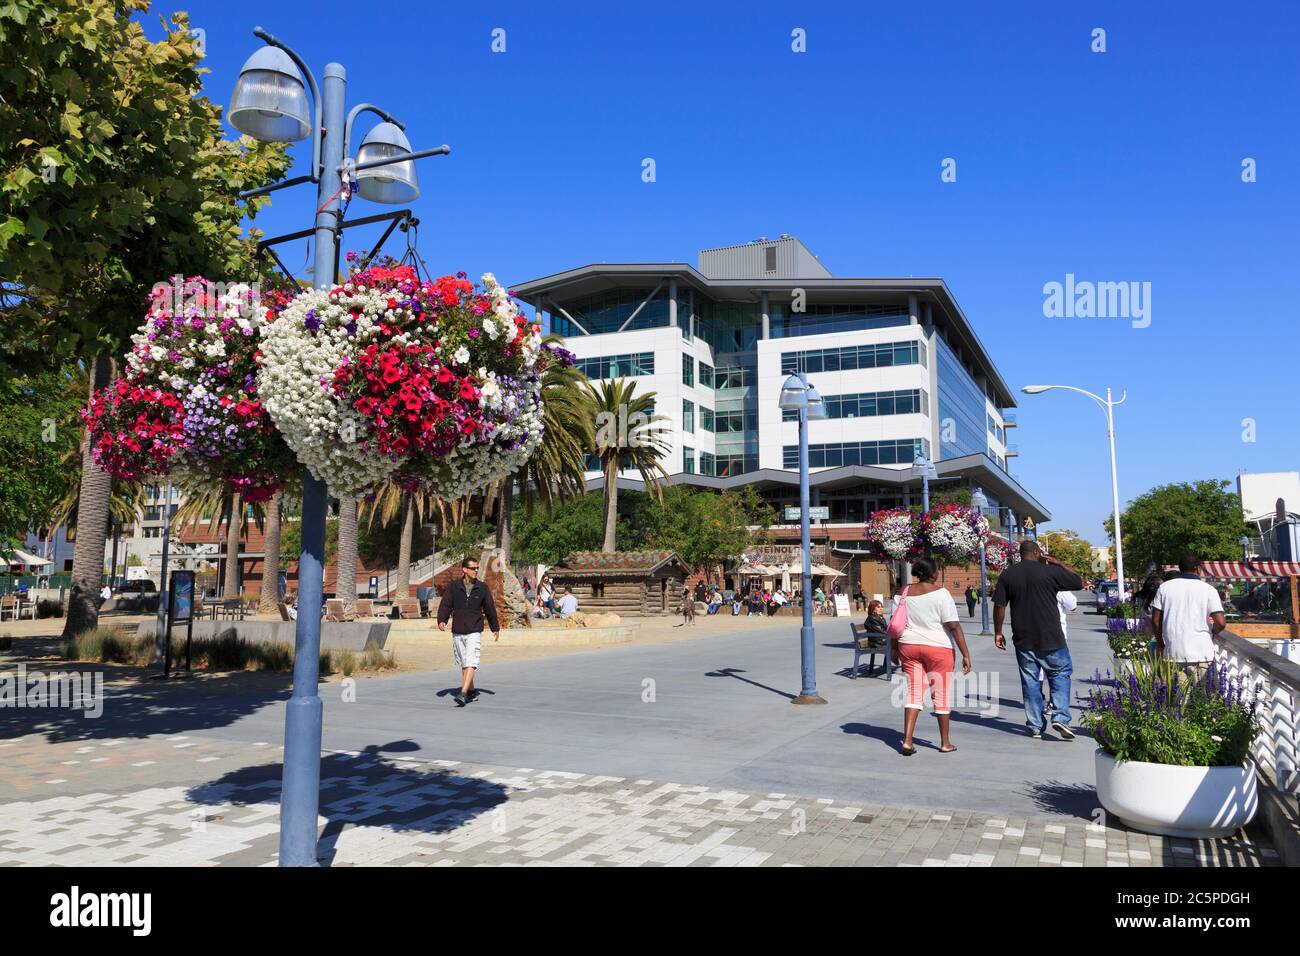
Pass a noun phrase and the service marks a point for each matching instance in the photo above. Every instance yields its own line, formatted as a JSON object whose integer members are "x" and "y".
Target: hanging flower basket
{"x": 997, "y": 554}
{"x": 954, "y": 532}
{"x": 895, "y": 535}
{"x": 435, "y": 384}
{"x": 199, "y": 343}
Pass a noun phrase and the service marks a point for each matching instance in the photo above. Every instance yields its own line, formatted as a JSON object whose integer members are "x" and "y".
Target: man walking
{"x": 1030, "y": 586}
{"x": 466, "y": 604}
{"x": 1186, "y": 613}
{"x": 970, "y": 601}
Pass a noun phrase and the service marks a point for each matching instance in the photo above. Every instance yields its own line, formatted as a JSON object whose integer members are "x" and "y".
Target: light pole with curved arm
{"x": 1108, "y": 406}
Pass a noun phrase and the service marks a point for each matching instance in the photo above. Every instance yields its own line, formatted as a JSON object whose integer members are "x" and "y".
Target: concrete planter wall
{"x": 349, "y": 635}
{"x": 1195, "y": 802}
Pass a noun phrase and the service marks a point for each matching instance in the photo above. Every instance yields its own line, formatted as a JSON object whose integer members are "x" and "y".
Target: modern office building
{"x": 899, "y": 365}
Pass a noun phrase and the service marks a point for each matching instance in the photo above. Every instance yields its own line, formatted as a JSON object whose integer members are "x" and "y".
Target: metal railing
{"x": 1275, "y": 683}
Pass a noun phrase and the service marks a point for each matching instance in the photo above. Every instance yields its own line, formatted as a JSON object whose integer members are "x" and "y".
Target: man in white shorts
{"x": 466, "y": 603}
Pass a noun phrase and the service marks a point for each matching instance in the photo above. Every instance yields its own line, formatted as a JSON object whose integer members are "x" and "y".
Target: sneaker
{"x": 1063, "y": 729}
{"x": 472, "y": 696}
{"x": 1036, "y": 733}
{"x": 460, "y": 699}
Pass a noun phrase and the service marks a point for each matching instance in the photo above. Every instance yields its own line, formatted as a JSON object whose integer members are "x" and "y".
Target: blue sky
{"x": 1115, "y": 166}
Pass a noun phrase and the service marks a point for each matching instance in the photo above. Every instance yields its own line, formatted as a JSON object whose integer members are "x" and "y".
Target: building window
{"x": 769, "y": 259}
{"x": 706, "y": 464}
{"x": 617, "y": 366}
{"x": 688, "y": 416}
{"x": 706, "y": 419}
{"x": 733, "y": 376}
{"x": 706, "y": 375}
{"x": 870, "y": 404}
{"x": 881, "y": 355}
{"x": 822, "y": 318}
{"x": 609, "y": 311}
{"x": 688, "y": 370}
{"x": 688, "y": 460}
{"x": 835, "y": 455}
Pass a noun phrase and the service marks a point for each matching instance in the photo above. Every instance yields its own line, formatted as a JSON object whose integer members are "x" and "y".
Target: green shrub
{"x": 108, "y": 645}
{"x": 377, "y": 659}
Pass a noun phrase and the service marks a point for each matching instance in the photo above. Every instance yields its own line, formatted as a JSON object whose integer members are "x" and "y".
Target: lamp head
{"x": 816, "y": 406}
{"x": 794, "y": 394}
{"x": 269, "y": 102}
{"x": 978, "y": 500}
{"x": 395, "y": 183}
{"x": 1035, "y": 389}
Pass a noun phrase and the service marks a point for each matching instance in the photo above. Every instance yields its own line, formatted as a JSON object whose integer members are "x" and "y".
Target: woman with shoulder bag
{"x": 923, "y": 629}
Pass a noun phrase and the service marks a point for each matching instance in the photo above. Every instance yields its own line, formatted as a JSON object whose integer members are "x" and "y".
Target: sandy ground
{"x": 416, "y": 646}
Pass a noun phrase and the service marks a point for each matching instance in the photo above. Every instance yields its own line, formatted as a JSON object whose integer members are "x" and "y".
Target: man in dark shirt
{"x": 1031, "y": 586}
{"x": 466, "y": 603}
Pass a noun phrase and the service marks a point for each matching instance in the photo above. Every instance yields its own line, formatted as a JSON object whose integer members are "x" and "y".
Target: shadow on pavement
{"x": 736, "y": 672}
{"x": 363, "y": 790}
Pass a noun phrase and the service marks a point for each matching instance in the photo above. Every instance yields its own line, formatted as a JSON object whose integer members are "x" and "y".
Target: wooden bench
{"x": 864, "y": 645}
{"x": 408, "y": 610}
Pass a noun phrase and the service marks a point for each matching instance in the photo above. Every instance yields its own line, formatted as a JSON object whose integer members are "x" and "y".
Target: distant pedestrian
{"x": 1186, "y": 614}
{"x": 924, "y": 651}
{"x": 970, "y": 601}
{"x": 1031, "y": 586}
{"x": 568, "y": 603}
{"x": 466, "y": 604}
{"x": 104, "y": 594}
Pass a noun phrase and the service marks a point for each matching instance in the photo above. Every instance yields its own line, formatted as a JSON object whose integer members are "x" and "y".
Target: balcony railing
{"x": 1275, "y": 683}
{"x": 1009, "y": 419}
{"x": 1013, "y": 451}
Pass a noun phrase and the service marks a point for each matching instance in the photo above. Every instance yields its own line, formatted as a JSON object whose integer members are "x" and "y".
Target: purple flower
{"x": 310, "y": 321}
{"x": 197, "y": 323}
{"x": 473, "y": 333}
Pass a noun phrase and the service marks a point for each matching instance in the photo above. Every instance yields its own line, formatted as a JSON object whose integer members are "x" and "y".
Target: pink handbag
{"x": 898, "y": 620}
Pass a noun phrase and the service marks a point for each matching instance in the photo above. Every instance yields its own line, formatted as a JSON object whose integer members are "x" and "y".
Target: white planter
{"x": 1123, "y": 667}
{"x": 1195, "y": 802}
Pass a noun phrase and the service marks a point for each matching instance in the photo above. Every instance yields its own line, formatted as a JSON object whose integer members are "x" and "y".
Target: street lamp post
{"x": 1108, "y": 406}
{"x": 269, "y": 103}
{"x": 926, "y": 469}
{"x": 980, "y": 502}
{"x": 797, "y": 394}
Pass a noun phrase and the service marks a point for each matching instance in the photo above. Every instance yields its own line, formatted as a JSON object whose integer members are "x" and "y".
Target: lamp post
{"x": 1108, "y": 406}
{"x": 798, "y": 395}
{"x": 925, "y": 468}
{"x": 269, "y": 103}
{"x": 980, "y": 502}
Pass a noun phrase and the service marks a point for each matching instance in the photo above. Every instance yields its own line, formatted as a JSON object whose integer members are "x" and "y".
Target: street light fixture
{"x": 1108, "y": 406}
{"x": 269, "y": 103}
{"x": 979, "y": 502}
{"x": 798, "y": 395}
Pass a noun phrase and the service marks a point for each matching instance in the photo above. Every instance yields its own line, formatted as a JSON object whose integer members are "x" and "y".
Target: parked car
{"x": 142, "y": 586}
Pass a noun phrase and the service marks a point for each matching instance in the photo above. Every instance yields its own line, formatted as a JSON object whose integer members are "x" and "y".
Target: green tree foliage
{"x": 114, "y": 175}
{"x": 546, "y": 535}
{"x": 34, "y": 410}
{"x": 1075, "y": 552}
{"x": 1201, "y": 516}
{"x": 291, "y": 539}
{"x": 466, "y": 541}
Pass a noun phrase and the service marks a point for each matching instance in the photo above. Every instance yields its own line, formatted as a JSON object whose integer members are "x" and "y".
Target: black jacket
{"x": 466, "y": 611}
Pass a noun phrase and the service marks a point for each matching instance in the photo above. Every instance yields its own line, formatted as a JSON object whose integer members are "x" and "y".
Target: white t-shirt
{"x": 1065, "y": 603}
{"x": 568, "y": 604}
{"x": 926, "y": 616}
{"x": 1186, "y": 605}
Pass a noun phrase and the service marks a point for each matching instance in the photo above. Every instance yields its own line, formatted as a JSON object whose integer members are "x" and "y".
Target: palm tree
{"x": 94, "y": 491}
{"x": 628, "y": 435}
{"x": 391, "y": 500}
{"x": 345, "y": 579}
{"x": 269, "y": 599}
{"x": 214, "y": 503}
{"x": 557, "y": 468}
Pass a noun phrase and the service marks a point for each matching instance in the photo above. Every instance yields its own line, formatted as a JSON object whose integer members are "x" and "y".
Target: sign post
{"x": 820, "y": 513}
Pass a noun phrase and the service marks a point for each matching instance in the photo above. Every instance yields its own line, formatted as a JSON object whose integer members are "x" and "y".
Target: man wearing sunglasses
{"x": 466, "y": 603}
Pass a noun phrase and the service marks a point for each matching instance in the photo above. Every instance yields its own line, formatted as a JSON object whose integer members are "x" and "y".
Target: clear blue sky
{"x": 1122, "y": 166}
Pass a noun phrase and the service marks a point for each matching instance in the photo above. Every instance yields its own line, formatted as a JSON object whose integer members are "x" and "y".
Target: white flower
{"x": 461, "y": 356}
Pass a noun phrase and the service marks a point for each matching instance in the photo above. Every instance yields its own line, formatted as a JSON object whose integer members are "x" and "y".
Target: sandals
{"x": 907, "y": 751}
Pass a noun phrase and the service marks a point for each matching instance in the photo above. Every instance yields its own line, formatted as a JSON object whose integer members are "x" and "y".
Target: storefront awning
{"x": 1248, "y": 571}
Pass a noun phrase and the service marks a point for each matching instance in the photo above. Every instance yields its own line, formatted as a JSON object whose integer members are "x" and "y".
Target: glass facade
{"x": 728, "y": 326}
{"x": 997, "y": 431}
{"x": 617, "y": 366}
{"x": 688, "y": 416}
{"x": 901, "y": 452}
{"x": 733, "y": 376}
{"x": 706, "y": 375}
{"x": 869, "y": 404}
{"x": 688, "y": 370}
{"x": 961, "y": 410}
{"x": 608, "y": 311}
{"x": 822, "y": 318}
{"x": 706, "y": 418}
{"x": 725, "y": 465}
{"x": 688, "y": 460}
{"x": 859, "y": 356}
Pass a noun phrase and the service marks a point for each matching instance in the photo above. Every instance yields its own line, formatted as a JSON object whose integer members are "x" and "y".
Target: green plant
{"x": 347, "y": 662}
{"x": 108, "y": 645}
{"x": 1161, "y": 714}
{"x": 377, "y": 659}
{"x": 1124, "y": 609}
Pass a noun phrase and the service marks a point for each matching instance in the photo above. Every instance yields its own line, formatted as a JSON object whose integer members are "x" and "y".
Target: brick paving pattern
{"x": 179, "y": 800}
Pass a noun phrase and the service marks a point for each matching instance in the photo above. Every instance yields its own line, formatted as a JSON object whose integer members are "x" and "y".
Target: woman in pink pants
{"x": 924, "y": 652}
